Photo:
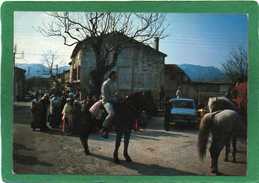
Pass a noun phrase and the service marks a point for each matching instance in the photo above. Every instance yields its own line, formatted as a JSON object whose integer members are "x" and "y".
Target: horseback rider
{"x": 109, "y": 96}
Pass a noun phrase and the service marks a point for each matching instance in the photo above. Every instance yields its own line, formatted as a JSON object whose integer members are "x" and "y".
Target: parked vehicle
{"x": 180, "y": 111}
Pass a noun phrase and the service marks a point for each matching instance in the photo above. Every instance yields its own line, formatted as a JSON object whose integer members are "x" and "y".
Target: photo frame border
{"x": 218, "y": 7}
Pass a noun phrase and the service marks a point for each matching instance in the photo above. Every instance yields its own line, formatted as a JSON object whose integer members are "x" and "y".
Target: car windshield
{"x": 182, "y": 104}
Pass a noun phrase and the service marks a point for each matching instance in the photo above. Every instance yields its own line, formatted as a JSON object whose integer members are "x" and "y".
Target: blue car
{"x": 180, "y": 111}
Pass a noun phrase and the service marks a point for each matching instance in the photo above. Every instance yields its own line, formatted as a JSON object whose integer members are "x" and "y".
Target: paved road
{"x": 154, "y": 152}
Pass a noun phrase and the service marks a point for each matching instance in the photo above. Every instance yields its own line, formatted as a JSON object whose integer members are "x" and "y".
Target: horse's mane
{"x": 220, "y": 103}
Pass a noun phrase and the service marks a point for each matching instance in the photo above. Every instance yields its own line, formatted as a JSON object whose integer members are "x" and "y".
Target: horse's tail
{"x": 203, "y": 136}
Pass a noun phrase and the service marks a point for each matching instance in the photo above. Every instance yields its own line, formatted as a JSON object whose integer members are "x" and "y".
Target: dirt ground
{"x": 153, "y": 151}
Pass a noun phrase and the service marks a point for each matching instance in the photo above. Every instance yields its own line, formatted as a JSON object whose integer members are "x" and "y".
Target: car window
{"x": 182, "y": 104}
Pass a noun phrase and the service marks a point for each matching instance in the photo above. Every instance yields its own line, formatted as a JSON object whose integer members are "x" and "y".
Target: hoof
{"x": 105, "y": 136}
{"x": 214, "y": 171}
{"x": 87, "y": 152}
{"x": 226, "y": 159}
{"x": 116, "y": 160}
{"x": 127, "y": 158}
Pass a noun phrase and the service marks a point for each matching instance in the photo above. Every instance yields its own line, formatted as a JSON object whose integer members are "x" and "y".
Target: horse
{"x": 126, "y": 112}
{"x": 220, "y": 103}
{"x": 224, "y": 127}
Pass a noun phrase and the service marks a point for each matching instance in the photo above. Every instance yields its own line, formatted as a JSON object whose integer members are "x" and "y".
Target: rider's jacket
{"x": 109, "y": 90}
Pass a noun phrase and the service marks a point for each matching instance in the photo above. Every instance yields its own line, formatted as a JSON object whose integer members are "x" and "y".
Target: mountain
{"x": 203, "y": 73}
{"x": 39, "y": 70}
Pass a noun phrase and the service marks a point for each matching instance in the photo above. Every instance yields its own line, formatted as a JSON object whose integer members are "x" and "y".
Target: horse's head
{"x": 220, "y": 103}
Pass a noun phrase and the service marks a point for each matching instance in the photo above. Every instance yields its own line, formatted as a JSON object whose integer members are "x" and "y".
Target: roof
{"x": 20, "y": 69}
{"x": 123, "y": 36}
{"x": 212, "y": 82}
{"x": 173, "y": 69}
{"x": 183, "y": 99}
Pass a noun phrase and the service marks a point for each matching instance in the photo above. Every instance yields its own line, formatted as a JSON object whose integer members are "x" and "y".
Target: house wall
{"x": 137, "y": 67}
{"x": 19, "y": 84}
{"x": 140, "y": 70}
{"x": 87, "y": 61}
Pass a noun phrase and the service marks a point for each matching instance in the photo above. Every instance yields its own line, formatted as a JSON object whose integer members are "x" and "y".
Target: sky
{"x": 199, "y": 39}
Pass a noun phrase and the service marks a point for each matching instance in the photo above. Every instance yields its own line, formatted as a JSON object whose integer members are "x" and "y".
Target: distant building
{"x": 19, "y": 83}
{"x": 198, "y": 90}
{"x": 204, "y": 90}
{"x": 64, "y": 76}
{"x": 139, "y": 67}
{"x": 175, "y": 77}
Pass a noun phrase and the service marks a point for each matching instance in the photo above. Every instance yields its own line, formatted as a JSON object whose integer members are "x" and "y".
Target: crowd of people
{"x": 59, "y": 111}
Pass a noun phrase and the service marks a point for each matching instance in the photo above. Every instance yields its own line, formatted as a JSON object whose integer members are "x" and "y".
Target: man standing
{"x": 109, "y": 92}
{"x": 179, "y": 93}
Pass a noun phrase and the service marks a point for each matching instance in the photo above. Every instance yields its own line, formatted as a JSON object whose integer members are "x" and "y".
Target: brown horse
{"x": 224, "y": 127}
{"x": 126, "y": 112}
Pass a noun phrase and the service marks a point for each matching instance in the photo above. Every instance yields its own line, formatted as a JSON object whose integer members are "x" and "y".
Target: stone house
{"x": 139, "y": 67}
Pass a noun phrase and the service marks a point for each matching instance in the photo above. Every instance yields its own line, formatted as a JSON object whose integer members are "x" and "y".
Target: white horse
{"x": 224, "y": 127}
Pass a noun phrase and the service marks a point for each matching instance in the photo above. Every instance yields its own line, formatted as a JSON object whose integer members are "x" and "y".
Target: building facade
{"x": 19, "y": 83}
{"x": 139, "y": 67}
{"x": 199, "y": 90}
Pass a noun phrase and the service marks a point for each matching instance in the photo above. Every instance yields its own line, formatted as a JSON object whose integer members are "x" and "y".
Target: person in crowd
{"x": 43, "y": 112}
{"x": 67, "y": 115}
{"x": 76, "y": 115}
{"x": 55, "y": 111}
{"x": 35, "y": 114}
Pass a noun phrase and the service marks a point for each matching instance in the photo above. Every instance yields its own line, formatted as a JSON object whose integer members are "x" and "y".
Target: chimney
{"x": 156, "y": 46}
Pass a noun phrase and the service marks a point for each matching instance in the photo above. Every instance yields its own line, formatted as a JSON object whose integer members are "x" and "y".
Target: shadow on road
{"x": 21, "y": 147}
{"x": 29, "y": 160}
{"x": 146, "y": 169}
{"x": 158, "y": 133}
{"x": 26, "y": 159}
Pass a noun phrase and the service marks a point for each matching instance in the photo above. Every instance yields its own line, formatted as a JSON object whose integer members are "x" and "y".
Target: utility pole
{"x": 15, "y": 53}
{"x": 57, "y": 69}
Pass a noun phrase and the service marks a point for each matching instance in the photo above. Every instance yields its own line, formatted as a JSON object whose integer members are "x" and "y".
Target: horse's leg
{"x": 84, "y": 134}
{"x": 212, "y": 156}
{"x": 117, "y": 146}
{"x": 234, "y": 140}
{"x": 227, "y": 150}
{"x": 214, "y": 153}
{"x": 126, "y": 145}
{"x": 84, "y": 142}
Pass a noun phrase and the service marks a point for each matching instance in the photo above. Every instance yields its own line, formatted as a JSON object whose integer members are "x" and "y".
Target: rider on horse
{"x": 109, "y": 95}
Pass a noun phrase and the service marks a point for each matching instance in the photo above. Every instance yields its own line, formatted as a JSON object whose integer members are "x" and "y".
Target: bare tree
{"x": 236, "y": 66}
{"x": 51, "y": 59}
{"x": 74, "y": 28}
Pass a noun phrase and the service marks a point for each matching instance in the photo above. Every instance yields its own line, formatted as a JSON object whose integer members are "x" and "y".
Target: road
{"x": 153, "y": 151}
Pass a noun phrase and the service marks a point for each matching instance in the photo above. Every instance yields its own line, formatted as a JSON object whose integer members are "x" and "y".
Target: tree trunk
{"x": 103, "y": 64}
{"x": 100, "y": 73}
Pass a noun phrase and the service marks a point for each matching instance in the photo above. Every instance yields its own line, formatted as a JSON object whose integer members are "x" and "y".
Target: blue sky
{"x": 201, "y": 39}
{"x": 204, "y": 39}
